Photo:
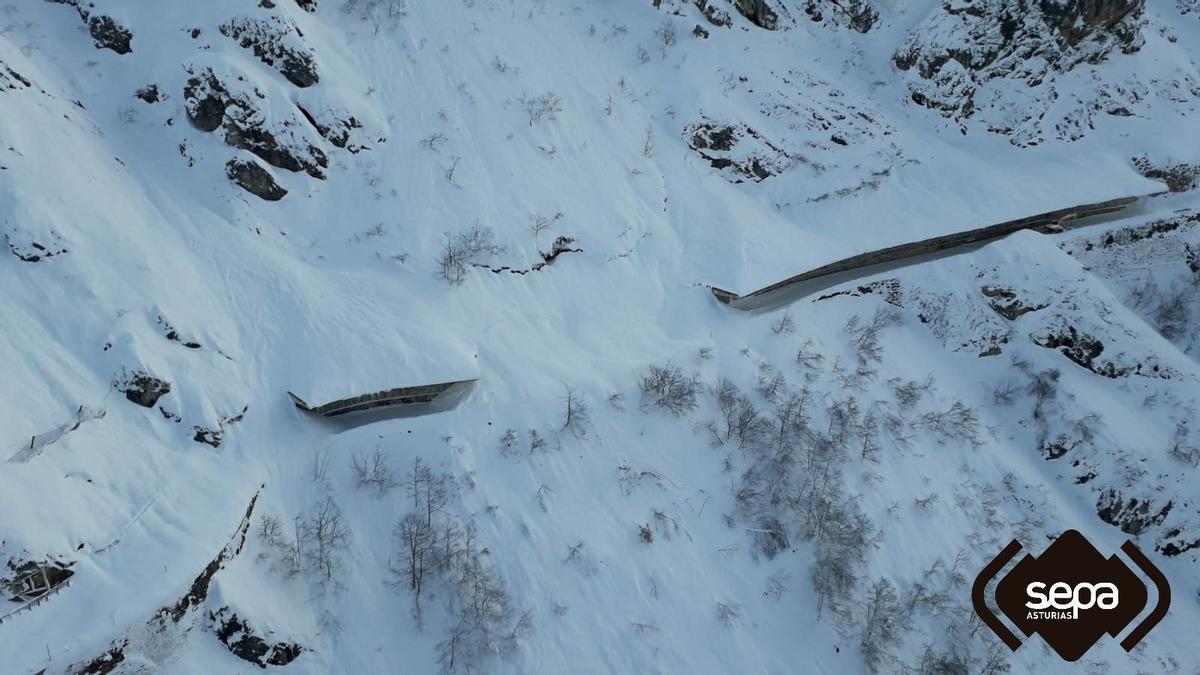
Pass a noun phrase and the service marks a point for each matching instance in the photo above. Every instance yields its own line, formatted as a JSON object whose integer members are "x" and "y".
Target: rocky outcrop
{"x": 961, "y": 47}
{"x": 11, "y": 80}
{"x": 1132, "y": 515}
{"x": 1179, "y": 177}
{"x": 1085, "y": 350}
{"x": 211, "y": 105}
{"x": 109, "y": 34}
{"x": 214, "y": 437}
{"x": 738, "y": 151}
{"x": 246, "y": 644}
{"x": 277, "y": 43}
{"x": 309, "y": 6}
{"x": 859, "y": 15}
{"x": 106, "y": 32}
{"x": 1004, "y": 301}
{"x": 150, "y": 94}
{"x": 31, "y": 248}
{"x": 254, "y": 179}
{"x": 758, "y": 12}
{"x": 336, "y": 127}
{"x": 142, "y": 388}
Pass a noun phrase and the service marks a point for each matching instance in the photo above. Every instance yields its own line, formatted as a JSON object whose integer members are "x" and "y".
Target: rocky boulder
{"x": 142, "y": 388}
{"x": 254, "y": 179}
{"x": 277, "y": 43}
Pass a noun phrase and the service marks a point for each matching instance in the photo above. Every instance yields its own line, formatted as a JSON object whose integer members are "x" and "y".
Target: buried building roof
{"x": 399, "y": 402}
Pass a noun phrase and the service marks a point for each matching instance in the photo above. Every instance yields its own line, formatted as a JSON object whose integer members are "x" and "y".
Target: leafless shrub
{"x": 537, "y": 108}
{"x": 665, "y": 33}
{"x": 509, "y": 443}
{"x": 666, "y": 387}
{"x": 808, "y": 358}
{"x": 432, "y": 141}
{"x": 461, "y": 249}
{"x": 536, "y": 442}
{"x": 958, "y": 423}
{"x": 738, "y": 415}
{"x": 785, "y": 325}
{"x": 728, "y": 613}
{"x": 865, "y": 337}
{"x": 373, "y": 472}
{"x": 539, "y": 224}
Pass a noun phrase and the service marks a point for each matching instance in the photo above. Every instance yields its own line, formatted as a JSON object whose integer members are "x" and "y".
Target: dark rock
{"x": 198, "y": 592}
{"x": 109, "y": 34}
{"x": 150, "y": 94}
{"x": 334, "y": 129}
{"x": 207, "y": 100}
{"x": 142, "y": 388}
{"x": 1077, "y": 20}
{"x": 106, "y": 662}
{"x": 29, "y": 249}
{"x": 858, "y": 15}
{"x": 276, "y": 42}
{"x": 721, "y": 145}
{"x": 254, "y": 179}
{"x": 1004, "y": 301}
{"x": 1132, "y": 515}
{"x": 1178, "y": 177}
{"x": 309, "y": 6}
{"x": 700, "y": 32}
{"x": 715, "y": 16}
{"x": 758, "y": 12}
{"x": 245, "y": 643}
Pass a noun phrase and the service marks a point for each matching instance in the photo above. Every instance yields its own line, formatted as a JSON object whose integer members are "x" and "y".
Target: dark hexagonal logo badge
{"x": 1071, "y": 595}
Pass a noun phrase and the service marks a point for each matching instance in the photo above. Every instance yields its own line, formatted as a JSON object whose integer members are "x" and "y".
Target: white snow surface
{"x": 333, "y": 291}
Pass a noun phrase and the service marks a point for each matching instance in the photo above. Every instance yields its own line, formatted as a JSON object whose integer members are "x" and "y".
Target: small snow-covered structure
{"x": 398, "y": 402}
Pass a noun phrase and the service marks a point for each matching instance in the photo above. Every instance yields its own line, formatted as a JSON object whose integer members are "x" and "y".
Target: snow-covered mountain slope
{"x": 211, "y": 204}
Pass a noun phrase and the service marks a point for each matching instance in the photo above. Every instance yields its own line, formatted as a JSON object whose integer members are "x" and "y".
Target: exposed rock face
{"x": 254, "y": 179}
{"x": 739, "y": 151}
{"x": 309, "y": 6}
{"x": 11, "y": 80}
{"x": 1006, "y": 303}
{"x": 964, "y": 45}
{"x": 277, "y": 43}
{"x": 1078, "y": 20}
{"x": 109, "y": 34}
{"x": 758, "y": 12}
{"x": 245, "y": 643}
{"x": 1085, "y": 351}
{"x": 105, "y": 30}
{"x": 150, "y": 94}
{"x": 859, "y": 15}
{"x": 1132, "y": 515}
{"x": 211, "y": 105}
{"x": 335, "y": 127}
{"x": 142, "y": 388}
{"x": 1179, "y": 177}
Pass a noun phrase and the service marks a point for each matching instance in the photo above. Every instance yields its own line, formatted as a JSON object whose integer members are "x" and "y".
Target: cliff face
{"x": 963, "y": 52}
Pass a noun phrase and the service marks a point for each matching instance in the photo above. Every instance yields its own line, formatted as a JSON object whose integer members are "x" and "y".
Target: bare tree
{"x": 666, "y": 36}
{"x": 883, "y": 622}
{"x": 326, "y": 537}
{"x": 668, "y": 388}
{"x": 372, "y": 471}
{"x": 577, "y": 414}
